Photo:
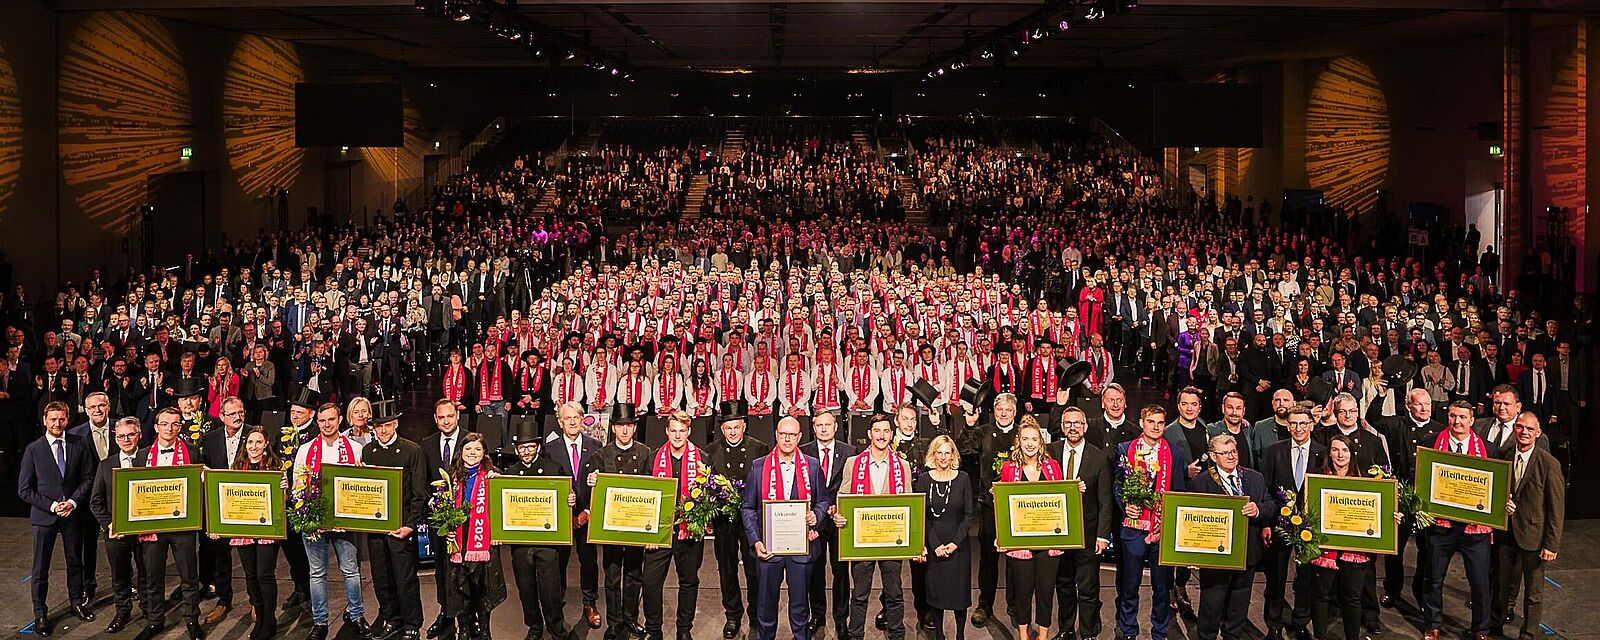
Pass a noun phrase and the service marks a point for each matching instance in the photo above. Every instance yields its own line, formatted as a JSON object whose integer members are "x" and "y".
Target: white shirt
{"x": 786, "y": 469}
{"x": 1231, "y": 482}
{"x": 231, "y": 442}
{"x": 878, "y": 474}
{"x": 124, "y": 460}
{"x": 1069, "y": 452}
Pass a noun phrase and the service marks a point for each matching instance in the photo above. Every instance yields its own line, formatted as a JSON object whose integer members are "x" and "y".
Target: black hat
{"x": 522, "y": 432}
{"x": 383, "y": 411}
{"x": 1076, "y": 373}
{"x": 624, "y": 413}
{"x": 925, "y": 392}
{"x": 732, "y": 410}
{"x": 189, "y": 387}
{"x": 971, "y": 391}
{"x": 305, "y": 397}
{"x": 1397, "y": 370}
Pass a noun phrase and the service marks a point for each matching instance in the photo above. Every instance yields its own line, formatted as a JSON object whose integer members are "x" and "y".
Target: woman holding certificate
{"x": 259, "y": 557}
{"x": 949, "y": 520}
{"x": 1339, "y": 575}
{"x": 1033, "y": 574}
{"x": 478, "y": 583}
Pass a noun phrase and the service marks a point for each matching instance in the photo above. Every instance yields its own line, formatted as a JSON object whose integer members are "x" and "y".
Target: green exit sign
{"x": 186, "y": 152}
{"x": 1496, "y": 151}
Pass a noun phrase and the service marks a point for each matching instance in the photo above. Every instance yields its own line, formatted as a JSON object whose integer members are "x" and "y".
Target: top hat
{"x": 522, "y": 432}
{"x": 383, "y": 411}
{"x": 189, "y": 387}
{"x": 1076, "y": 373}
{"x": 1397, "y": 370}
{"x": 971, "y": 391}
{"x": 305, "y": 397}
{"x": 732, "y": 410}
{"x": 624, "y": 413}
{"x": 925, "y": 392}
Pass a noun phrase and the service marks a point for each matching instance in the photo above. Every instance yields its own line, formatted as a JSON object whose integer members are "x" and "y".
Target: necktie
{"x": 574, "y": 460}
{"x": 100, "y": 444}
{"x": 1516, "y": 478}
{"x": 1458, "y": 448}
{"x": 444, "y": 456}
{"x": 61, "y": 458}
{"x": 1538, "y": 387}
{"x": 1299, "y": 466}
{"x": 827, "y": 456}
{"x": 1338, "y": 379}
{"x": 1072, "y": 464}
{"x": 1233, "y": 485}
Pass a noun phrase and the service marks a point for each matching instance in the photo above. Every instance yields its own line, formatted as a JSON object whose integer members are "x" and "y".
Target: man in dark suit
{"x": 783, "y": 481}
{"x": 1285, "y": 465}
{"x": 392, "y": 556}
{"x": 169, "y": 450}
{"x": 1404, "y": 432}
{"x": 731, "y": 457}
{"x": 438, "y": 451}
{"x": 56, "y": 477}
{"x": 1505, "y": 404}
{"x": 570, "y": 450}
{"x": 1447, "y": 538}
{"x": 122, "y": 552}
{"x": 1339, "y": 377}
{"x": 1473, "y": 379}
{"x": 217, "y": 450}
{"x": 830, "y": 454}
{"x": 1078, "y": 573}
{"x": 1537, "y": 513}
{"x": 95, "y": 434}
{"x": 1536, "y": 386}
{"x": 1225, "y": 593}
{"x": 149, "y": 393}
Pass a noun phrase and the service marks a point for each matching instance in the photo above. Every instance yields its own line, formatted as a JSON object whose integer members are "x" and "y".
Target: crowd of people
{"x": 1052, "y": 288}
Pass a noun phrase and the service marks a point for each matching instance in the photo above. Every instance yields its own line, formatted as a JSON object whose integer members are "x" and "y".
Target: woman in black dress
{"x": 949, "y": 518}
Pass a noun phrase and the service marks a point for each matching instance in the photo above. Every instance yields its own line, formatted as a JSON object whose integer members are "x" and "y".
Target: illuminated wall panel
{"x": 258, "y": 115}
{"x": 400, "y": 167}
{"x": 1347, "y": 136}
{"x": 10, "y": 134}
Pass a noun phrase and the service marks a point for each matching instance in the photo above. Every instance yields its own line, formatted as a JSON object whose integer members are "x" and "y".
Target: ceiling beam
{"x": 103, "y": 5}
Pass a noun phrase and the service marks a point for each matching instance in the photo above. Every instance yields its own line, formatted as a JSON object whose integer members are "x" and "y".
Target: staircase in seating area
{"x": 732, "y": 143}
{"x": 546, "y": 204}
{"x": 587, "y": 143}
{"x": 695, "y": 197}
{"x": 862, "y": 139}
{"x": 919, "y": 215}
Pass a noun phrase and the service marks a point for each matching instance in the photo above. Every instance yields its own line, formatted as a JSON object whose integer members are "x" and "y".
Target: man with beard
{"x": 1274, "y": 427}
{"x": 538, "y": 569}
{"x": 1415, "y": 427}
{"x": 731, "y": 457}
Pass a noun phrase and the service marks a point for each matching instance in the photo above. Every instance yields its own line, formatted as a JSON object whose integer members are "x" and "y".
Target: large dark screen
{"x": 347, "y": 115}
{"x": 1197, "y": 114}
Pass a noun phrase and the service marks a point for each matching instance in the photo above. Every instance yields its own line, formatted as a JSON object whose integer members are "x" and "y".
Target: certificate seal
{"x": 649, "y": 527}
{"x": 898, "y": 541}
{"x": 377, "y": 514}
{"x": 262, "y": 519}
{"x": 546, "y": 525}
{"x": 176, "y": 513}
{"x": 1058, "y": 529}
{"x": 1369, "y": 532}
{"x": 1221, "y": 548}
{"x": 1480, "y": 507}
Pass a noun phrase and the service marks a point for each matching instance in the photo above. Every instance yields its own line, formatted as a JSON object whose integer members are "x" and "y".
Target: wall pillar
{"x": 1516, "y": 217}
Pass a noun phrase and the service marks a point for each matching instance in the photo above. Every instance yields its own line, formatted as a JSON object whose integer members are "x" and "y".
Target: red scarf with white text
{"x": 474, "y": 533}
{"x": 180, "y": 457}
{"x": 861, "y": 476}
{"x": 455, "y": 382}
{"x": 687, "y": 471}
{"x": 491, "y": 388}
{"x": 772, "y": 478}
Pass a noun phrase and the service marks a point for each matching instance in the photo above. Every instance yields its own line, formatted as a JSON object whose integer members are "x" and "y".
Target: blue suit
{"x": 41, "y": 483}
{"x": 1136, "y": 554}
{"x": 771, "y": 573}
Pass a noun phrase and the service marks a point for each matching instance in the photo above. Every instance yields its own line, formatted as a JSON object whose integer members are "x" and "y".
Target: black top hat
{"x": 189, "y": 387}
{"x": 624, "y": 413}
{"x": 383, "y": 411}
{"x": 522, "y": 432}
{"x": 925, "y": 392}
{"x": 971, "y": 390}
{"x": 1076, "y": 373}
{"x": 305, "y": 397}
{"x": 1397, "y": 370}
{"x": 732, "y": 410}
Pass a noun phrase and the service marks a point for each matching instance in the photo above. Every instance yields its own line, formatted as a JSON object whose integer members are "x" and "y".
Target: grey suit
{"x": 1540, "y": 496}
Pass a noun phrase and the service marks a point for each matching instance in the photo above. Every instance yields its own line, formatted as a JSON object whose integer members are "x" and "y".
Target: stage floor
{"x": 1574, "y": 584}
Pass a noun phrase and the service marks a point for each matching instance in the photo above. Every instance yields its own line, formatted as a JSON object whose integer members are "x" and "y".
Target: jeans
{"x": 317, "y": 555}
{"x": 494, "y": 409}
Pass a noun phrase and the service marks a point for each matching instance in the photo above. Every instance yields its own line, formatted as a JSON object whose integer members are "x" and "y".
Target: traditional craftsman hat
{"x": 383, "y": 411}
{"x": 305, "y": 397}
{"x": 189, "y": 387}
{"x": 624, "y": 413}
{"x": 971, "y": 392}
{"x": 1076, "y": 373}
{"x": 732, "y": 410}
{"x": 1397, "y": 370}
{"x": 522, "y": 432}
{"x": 925, "y": 392}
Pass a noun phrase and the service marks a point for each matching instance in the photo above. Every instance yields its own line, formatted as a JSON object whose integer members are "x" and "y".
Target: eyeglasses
{"x": 127, "y": 436}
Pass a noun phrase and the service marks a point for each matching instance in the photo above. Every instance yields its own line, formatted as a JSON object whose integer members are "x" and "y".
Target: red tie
{"x": 574, "y": 460}
{"x": 825, "y": 458}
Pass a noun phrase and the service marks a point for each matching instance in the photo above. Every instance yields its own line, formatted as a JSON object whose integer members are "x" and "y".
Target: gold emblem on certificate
{"x": 881, "y": 527}
{"x": 1352, "y": 513}
{"x": 529, "y": 509}
{"x": 244, "y": 503}
{"x": 1204, "y": 530}
{"x": 784, "y": 529}
{"x": 1461, "y": 487}
{"x": 634, "y": 510}
{"x": 158, "y": 499}
{"x": 1038, "y": 515}
{"x": 360, "y": 498}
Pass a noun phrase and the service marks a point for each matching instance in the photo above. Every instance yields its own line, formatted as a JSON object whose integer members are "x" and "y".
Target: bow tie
{"x": 166, "y": 451}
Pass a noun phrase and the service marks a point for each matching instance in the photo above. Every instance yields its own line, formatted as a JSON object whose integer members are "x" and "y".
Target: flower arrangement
{"x": 1406, "y": 495}
{"x": 712, "y": 497}
{"x": 999, "y": 460}
{"x": 444, "y": 515}
{"x": 1299, "y": 527}
{"x": 308, "y": 507}
{"x": 1138, "y": 486}
{"x": 287, "y": 443}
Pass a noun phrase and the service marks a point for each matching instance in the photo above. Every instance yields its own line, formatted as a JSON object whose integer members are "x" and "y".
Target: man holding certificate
{"x": 624, "y": 565}
{"x": 330, "y": 446}
{"x": 1153, "y": 467}
{"x": 537, "y": 569}
{"x": 393, "y": 556}
{"x": 122, "y": 552}
{"x": 784, "y": 475}
{"x": 684, "y": 461}
{"x": 877, "y": 471}
{"x": 169, "y": 451}
{"x": 1446, "y": 538}
{"x": 1225, "y": 593}
{"x": 1078, "y": 573}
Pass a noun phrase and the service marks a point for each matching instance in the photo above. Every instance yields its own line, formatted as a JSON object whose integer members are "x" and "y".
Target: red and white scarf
{"x": 1149, "y": 520}
{"x": 666, "y": 393}
{"x": 602, "y": 372}
{"x": 537, "y": 377}
{"x": 474, "y": 533}
{"x": 796, "y": 385}
{"x": 180, "y": 457}
{"x": 491, "y": 388}
{"x": 687, "y": 471}
{"x": 1046, "y": 368}
{"x": 634, "y": 386}
{"x": 455, "y": 382}
{"x": 729, "y": 377}
{"x": 1475, "y": 449}
{"x": 897, "y": 385}
{"x": 760, "y": 389}
{"x": 1011, "y": 470}
{"x": 827, "y": 396}
{"x": 347, "y": 454}
{"x": 960, "y": 373}
{"x": 702, "y": 398}
{"x": 567, "y": 391}
{"x": 860, "y": 379}
{"x": 772, "y": 479}
{"x": 861, "y": 476}
{"x": 1010, "y": 379}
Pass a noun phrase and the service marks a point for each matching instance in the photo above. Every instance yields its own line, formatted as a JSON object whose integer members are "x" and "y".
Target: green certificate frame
{"x": 1449, "y": 500}
{"x": 1048, "y": 502}
{"x": 1192, "y": 522}
{"x": 180, "y": 488}
{"x": 537, "y": 510}
{"x": 384, "y": 482}
{"x": 854, "y": 547}
{"x": 1365, "y": 512}
{"x": 619, "y": 508}
{"x": 251, "y": 493}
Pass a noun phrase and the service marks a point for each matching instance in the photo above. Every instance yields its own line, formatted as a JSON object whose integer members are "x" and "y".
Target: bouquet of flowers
{"x": 1298, "y": 527}
{"x": 287, "y": 443}
{"x": 712, "y": 497}
{"x": 999, "y": 460}
{"x": 444, "y": 515}
{"x": 308, "y": 507}
{"x": 1138, "y": 487}
{"x": 1406, "y": 494}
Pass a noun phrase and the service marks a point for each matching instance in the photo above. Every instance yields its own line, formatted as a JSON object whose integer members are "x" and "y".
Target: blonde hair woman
{"x": 948, "y": 575}
{"x": 1032, "y": 574}
{"x": 358, "y": 414}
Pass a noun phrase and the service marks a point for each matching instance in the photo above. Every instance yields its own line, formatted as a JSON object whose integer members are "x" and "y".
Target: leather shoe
{"x": 1302, "y": 634}
{"x": 1062, "y": 635}
{"x": 118, "y": 621}
{"x": 1432, "y": 634}
{"x": 385, "y": 631}
{"x": 216, "y": 614}
{"x": 591, "y": 615}
{"x": 318, "y": 632}
{"x": 1386, "y": 601}
{"x": 196, "y": 632}
{"x": 1510, "y": 615}
{"x": 1373, "y": 626}
{"x": 150, "y": 631}
{"x": 1480, "y": 636}
{"x": 445, "y": 624}
{"x": 83, "y": 612}
{"x": 925, "y": 621}
{"x": 812, "y": 628}
{"x": 980, "y": 617}
{"x": 730, "y": 630}
{"x": 363, "y": 630}
{"x": 1184, "y": 607}
{"x": 42, "y": 627}
{"x": 299, "y": 598}
{"x": 637, "y": 630}
{"x": 880, "y": 622}
{"x": 408, "y": 634}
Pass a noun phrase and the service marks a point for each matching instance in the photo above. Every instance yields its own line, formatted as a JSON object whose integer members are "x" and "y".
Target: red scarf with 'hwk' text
{"x": 1475, "y": 449}
{"x": 1150, "y": 519}
{"x": 180, "y": 457}
{"x": 490, "y": 388}
{"x": 1047, "y": 370}
{"x": 474, "y": 533}
{"x": 773, "y": 478}
{"x": 861, "y": 478}
{"x": 687, "y": 472}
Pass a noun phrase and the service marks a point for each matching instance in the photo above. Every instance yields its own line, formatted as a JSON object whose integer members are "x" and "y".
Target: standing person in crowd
{"x": 537, "y": 569}
{"x": 1032, "y": 574}
{"x": 477, "y": 584}
{"x": 1286, "y": 464}
{"x": 1412, "y": 428}
{"x": 679, "y": 459}
{"x": 831, "y": 455}
{"x": 571, "y": 451}
{"x": 1225, "y": 593}
{"x": 1140, "y": 533}
{"x": 1447, "y": 538}
{"x": 169, "y": 450}
{"x": 876, "y": 471}
{"x": 1337, "y": 577}
{"x": 220, "y": 449}
{"x": 945, "y": 534}
{"x": 731, "y": 457}
{"x": 783, "y": 474}
{"x": 258, "y": 557}
{"x": 624, "y": 565}
{"x": 997, "y": 437}
{"x": 122, "y": 552}
{"x": 392, "y": 556}
{"x": 1533, "y": 535}
{"x": 1078, "y": 575}
{"x": 330, "y": 447}
{"x": 56, "y": 477}
{"x": 439, "y": 453}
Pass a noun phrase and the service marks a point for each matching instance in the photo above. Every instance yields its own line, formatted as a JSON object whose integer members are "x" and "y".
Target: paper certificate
{"x": 1352, "y": 513}
{"x": 1204, "y": 530}
{"x": 244, "y": 503}
{"x": 633, "y": 510}
{"x": 529, "y": 509}
{"x": 1040, "y": 514}
{"x": 881, "y": 527}
{"x": 158, "y": 499}
{"x": 784, "y": 529}
{"x": 1461, "y": 487}
{"x": 360, "y": 498}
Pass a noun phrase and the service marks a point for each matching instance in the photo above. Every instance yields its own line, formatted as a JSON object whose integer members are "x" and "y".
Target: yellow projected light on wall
{"x": 400, "y": 167}
{"x": 258, "y": 114}
{"x": 1564, "y": 141}
{"x": 124, "y": 113}
{"x": 1347, "y": 136}
{"x": 10, "y": 133}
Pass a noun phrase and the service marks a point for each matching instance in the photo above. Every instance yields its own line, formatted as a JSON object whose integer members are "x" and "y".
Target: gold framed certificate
{"x": 530, "y": 510}
{"x": 783, "y": 527}
{"x": 632, "y": 510}
{"x": 362, "y": 498}
{"x": 1464, "y": 488}
{"x": 1356, "y": 514}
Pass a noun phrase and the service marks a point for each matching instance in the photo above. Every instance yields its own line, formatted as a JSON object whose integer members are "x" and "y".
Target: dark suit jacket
{"x": 1525, "y": 391}
{"x": 1255, "y": 486}
{"x": 750, "y": 511}
{"x": 214, "y": 448}
{"x": 842, "y": 451}
{"x": 1541, "y": 502}
{"x": 1094, "y": 471}
{"x": 100, "y": 497}
{"x": 1278, "y": 466}
{"x": 1370, "y": 446}
{"x": 41, "y": 484}
{"x": 554, "y": 450}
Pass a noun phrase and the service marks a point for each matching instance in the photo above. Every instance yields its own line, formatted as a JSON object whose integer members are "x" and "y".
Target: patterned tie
{"x": 444, "y": 456}
{"x": 1072, "y": 464}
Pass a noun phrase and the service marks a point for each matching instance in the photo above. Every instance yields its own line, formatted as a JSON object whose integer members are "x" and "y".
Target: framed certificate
{"x": 530, "y": 510}
{"x": 783, "y": 527}
{"x": 1357, "y": 514}
{"x": 362, "y": 498}
{"x": 157, "y": 499}
{"x": 881, "y": 527}
{"x": 1038, "y": 515}
{"x": 1203, "y": 530}
{"x": 632, "y": 510}
{"x": 1463, "y": 488}
{"x": 245, "y": 504}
